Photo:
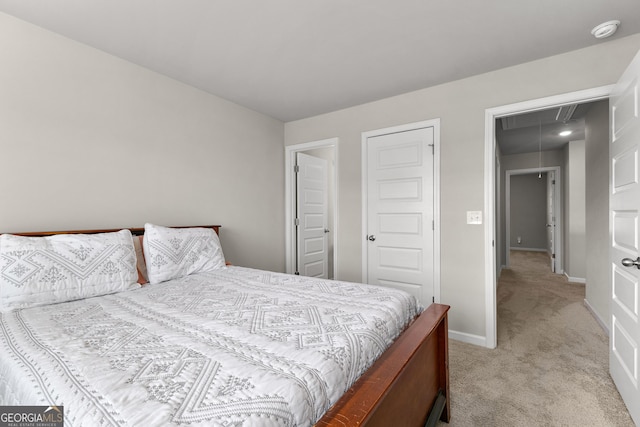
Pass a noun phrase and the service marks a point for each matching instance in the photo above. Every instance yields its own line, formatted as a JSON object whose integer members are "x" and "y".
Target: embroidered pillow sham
{"x": 45, "y": 270}
{"x": 171, "y": 253}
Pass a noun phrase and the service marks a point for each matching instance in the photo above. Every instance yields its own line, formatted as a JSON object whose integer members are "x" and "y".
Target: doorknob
{"x": 628, "y": 262}
{"x": 372, "y": 238}
{"x": 326, "y": 230}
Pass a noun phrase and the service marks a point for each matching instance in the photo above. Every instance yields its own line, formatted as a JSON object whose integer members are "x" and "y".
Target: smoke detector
{"x": 606, "y": 29}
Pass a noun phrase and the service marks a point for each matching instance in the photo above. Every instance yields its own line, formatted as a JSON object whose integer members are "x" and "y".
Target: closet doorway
{"x": 311, "y": 208}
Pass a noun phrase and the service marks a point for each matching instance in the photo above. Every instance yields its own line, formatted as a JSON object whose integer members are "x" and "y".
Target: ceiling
{"x": 292, "y": 59}
{"x": 540, "y": 130}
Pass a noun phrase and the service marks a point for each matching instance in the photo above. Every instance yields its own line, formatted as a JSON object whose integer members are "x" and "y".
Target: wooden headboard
{"x": 136, "y": 231}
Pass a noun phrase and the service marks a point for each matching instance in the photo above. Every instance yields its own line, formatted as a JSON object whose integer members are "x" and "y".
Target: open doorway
{"x": 493, "y": 192}
{"x": 311, "y": 221}
{"x": 533, "y": 214}
{"x": 548, "y": 141}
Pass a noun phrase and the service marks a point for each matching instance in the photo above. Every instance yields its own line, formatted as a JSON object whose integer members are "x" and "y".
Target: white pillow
{"x": 177, "y": 252}
{"x": 44, "y": 270}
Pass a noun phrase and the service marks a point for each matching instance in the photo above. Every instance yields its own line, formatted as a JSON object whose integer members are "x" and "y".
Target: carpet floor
{"x": 551, "y": 364}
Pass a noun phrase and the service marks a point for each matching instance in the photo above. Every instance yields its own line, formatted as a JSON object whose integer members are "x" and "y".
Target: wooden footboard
{"x": 403, "y": 386}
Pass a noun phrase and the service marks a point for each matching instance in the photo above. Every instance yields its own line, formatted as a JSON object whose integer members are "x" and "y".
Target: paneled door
{"x": 311, "y": 219}
{"x": 551, "y": 218}
{"x": 624, "y": 149}
{"x": 400, "y": 211}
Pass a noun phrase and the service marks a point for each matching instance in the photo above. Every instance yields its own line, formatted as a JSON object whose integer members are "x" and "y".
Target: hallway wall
{"x": 528, "y": 212}
{"x": 597, "y": 211}
{"x": 575, "y": 233}
{"x": 515, "y": 162}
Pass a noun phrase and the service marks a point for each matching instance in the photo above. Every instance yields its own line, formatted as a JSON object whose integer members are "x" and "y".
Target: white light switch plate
{"x": 474, "y": 217}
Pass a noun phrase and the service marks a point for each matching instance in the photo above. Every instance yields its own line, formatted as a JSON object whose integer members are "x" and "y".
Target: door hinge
{"x": 433, "y": 148}
{"x": 296, "y": 222}
{"x": 553, "y": 181}
{"x": 433, "y": 299}
{"x": 553, "y": 256}
{"x": 296, "y": 169}
{"x": 433, "y": 224}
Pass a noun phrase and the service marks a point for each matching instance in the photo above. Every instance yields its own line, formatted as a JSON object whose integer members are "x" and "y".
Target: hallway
{"x": 551, "y": 364}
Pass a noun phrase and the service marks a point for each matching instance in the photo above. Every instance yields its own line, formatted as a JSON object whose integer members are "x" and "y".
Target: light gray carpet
{"x": 551, "y": 364}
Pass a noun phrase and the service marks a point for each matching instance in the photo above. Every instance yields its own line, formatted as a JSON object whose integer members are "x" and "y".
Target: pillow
{"x": 177, "y": 252}
{"x": 140, "y": 263}
{"x": 45, "y": 270}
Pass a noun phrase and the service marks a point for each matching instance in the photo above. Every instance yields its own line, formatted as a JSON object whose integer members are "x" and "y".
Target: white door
{"x": 400, "y": 212}
{"x": 624, "y": 148}
{"x": 311, "y": 219}
{"x": 551, "y": 218}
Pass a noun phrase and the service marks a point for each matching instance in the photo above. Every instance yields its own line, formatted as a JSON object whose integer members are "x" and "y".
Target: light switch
{"x": 474, "y": 217}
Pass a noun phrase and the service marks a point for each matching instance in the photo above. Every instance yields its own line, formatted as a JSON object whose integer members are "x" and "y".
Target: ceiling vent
{"x": 509, "y": 122}
{"x": 566, "y": 112}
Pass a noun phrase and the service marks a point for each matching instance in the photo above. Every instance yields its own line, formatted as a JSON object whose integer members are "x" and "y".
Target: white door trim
{"x": 290, "y": 197}
{"x": 491, "y": 114}
{"x": 435, "y": 123}
{"x": 558, "y": 211}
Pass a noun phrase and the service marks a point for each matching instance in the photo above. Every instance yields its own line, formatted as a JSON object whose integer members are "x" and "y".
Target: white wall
{"x": 91, "y": 141}
{"x": 461, "y": 106}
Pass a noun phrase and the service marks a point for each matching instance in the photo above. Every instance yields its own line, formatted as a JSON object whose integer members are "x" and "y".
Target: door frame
{"x": 290, "y": 199}
{"x": 491, "y": 114}
{"x": 558, "y": 197}
{"x": 435, "y": 123}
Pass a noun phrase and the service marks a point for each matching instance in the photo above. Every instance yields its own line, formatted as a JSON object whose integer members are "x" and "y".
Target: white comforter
{"x": 232, "y": 347}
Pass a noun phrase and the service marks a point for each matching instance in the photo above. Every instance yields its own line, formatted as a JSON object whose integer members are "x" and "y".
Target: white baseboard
{"x": 468, "y": 338}
{"x": 602, "y": 324}
{"x": 519, "y": 248}
{"x": 575, "y": 279}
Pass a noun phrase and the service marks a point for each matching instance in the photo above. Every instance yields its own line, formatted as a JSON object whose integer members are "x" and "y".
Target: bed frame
{"x": 407, "y": 386}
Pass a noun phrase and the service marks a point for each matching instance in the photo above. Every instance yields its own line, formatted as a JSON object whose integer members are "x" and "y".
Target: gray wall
{"x": 597, "y": 210}
{"x": 575, "y": 233}
{"x": 528, "y": 217}
{"x": 516, "y": 162}
{"x": 91, "y": 141}
{"x": 461, "y": 107}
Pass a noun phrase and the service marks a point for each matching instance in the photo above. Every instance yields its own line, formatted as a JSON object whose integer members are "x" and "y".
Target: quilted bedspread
{"x": 231, "y": 347}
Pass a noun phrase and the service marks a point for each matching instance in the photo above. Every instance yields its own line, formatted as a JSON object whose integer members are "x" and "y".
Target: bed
{"x": 207, "y": 343}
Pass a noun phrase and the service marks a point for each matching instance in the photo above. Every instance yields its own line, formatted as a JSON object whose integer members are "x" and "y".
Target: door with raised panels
{"x": 624, "y": 149}
{"x": 400, "y": 211}
{"x": 312, "y": 213}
